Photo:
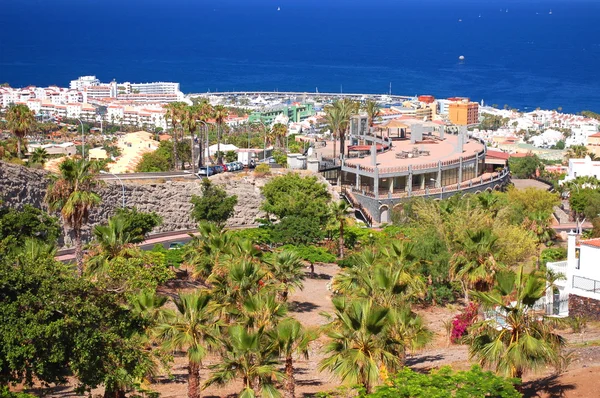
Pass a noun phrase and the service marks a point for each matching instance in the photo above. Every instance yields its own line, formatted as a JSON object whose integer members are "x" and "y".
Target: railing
{"x": 586, "y": 284}
{"x": 558, "y": 266}
{"x": 358, "y": 206}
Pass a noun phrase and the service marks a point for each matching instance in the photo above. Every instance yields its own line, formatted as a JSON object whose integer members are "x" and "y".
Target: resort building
{"x": 582, "y": 168}
{"x": 385, "y": 165}
{"x": 577, "y": 293}
{"x": 463, "y": 112}
{"x": 295, "y": 113}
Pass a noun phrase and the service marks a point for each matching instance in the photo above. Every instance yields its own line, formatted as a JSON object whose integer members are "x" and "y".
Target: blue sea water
{"x": 516, "y": 52}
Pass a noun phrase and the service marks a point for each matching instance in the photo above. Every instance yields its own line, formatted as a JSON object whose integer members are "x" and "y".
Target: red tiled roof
{"x": 591, "y": 242}
{"x": 520, "y": 155}
{"x": 597, "y": 135}
{"x": 498, "y": 155}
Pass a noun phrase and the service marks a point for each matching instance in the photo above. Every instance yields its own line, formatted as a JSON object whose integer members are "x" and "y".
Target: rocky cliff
{"x": 170, "y": 199}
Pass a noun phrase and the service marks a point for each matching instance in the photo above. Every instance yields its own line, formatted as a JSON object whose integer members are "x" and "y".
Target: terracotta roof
{"x": 497, "y": 155}
{"x": 597, "y": 135}
{"x": 591, "y": 242}
{"x": 521, "y": 155}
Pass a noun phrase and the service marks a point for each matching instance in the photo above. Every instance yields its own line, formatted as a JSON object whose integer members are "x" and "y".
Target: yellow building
{"x": 463, "y": 113}
{"x": 593, "y": 144}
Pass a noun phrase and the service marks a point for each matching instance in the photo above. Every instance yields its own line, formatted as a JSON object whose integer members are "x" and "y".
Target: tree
{"x": 220, "y": 113}
{"x": 373, "y": 111}
{"x": 525, "y": 167}
{"x": 280, "y": 132}
{"x": 576, "y": 152}
{"x": 192, "y": 326}
{"x": 39, "y": 156}
{"x": 20, "y": 120}
{"x": 175, "y": 113}
{"x": 56, "y": 325}
{"x": 475, "y": 265}
{"x": 286, "y": 271}
{"x": 360, "y": 343}
{"x": 515, "y": 338}
{"x": 214, "y": 205}
{"x": 138, "y": 224}
{"x": 157, "y": 161}
{"x": 298, "y": 230}
{"x": 72, "y": 193}
{"x": 29, "y": 223}
{"x": 290, "y": 339}
{"x": 444, "y": 382}
{"x": 249, "y": 356}
{"x": 340, "y": 211}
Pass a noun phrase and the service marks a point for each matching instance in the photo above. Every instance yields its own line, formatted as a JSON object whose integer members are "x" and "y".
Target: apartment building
{"x": 463, "y": 112}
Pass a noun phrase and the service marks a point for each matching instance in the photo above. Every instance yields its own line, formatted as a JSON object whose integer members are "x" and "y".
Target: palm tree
{"x": 193, "y": 327}
{"x": 340, "y": 212}
{"x": 175, "y": 113}
{"x": 279, "y": 131}
{"x": 475, "y": 265}
{"x": 38, "y": 156}
{"x": 373, "y": 111}
{"x": 112, "y": 241}
{"x": 576, "y": 152}
{"x": 241, "y": 279}
{"x": 189, "y": 121}
{"x": 20, "y": 120}
{"x": 249, "y": 356}
{"x": 208, "y": 250}
{"x": 347, "y": 108}
{"x": 514, "y": 338}
{"x": 409, "y": 330}
{"x": 333, "y": 117}
{"x": 286, "y": 272}
{"x": 205, "y": 112}
{"x": 361, "y": 343}
{"x": 291, "y": 339}
{"x": 72, "y": 193}
{"x": 219, "y": 114}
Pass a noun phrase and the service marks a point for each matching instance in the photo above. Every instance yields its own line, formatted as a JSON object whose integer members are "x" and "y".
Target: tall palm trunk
{"x": 200, "y": 154}
{"x": 175, "y": 154}
{"x": 290, "y": 382}
{"x": 341, "y": 240}
{"x": 334, "y": 148}
{"x": 192, "y": 161}
{"x": 219, "y": 156}
{"x": 194, "y": 380}
{"x": 19, "y": 155}
{"x": 342, "y": 140}
{"x": 78, "y": 249}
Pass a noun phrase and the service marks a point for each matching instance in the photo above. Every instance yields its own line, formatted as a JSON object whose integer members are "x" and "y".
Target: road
{"x": 164, "y": 238}
{"x": 141, "y": 176}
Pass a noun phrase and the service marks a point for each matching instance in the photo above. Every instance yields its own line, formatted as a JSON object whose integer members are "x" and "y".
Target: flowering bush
{"x": 462, "y": 321}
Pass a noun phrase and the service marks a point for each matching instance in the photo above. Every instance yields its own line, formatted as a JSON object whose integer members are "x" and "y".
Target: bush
{"x": 261, "y": 235}
{"x": 173, "y": 257}
{"x": 262, "y": 168}
{"x": 462, "y": 321}
{"x": 440, "y": 294}
{"x": 312, "y": 254}
{"x": 297, "y": 230}
{"x": 214, "y": 205}
{"x": 445, "y": 383}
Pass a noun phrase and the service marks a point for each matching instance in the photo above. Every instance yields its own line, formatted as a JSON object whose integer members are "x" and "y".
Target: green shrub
{"x": 263, "y": 168}
{"x": 261, "y": 235}
{"x": 312, "y": 254}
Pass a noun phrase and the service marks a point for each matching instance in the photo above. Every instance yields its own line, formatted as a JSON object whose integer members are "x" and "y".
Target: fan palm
{"x": 286, "y": 272}
{"x": 475, "y": 265}
{"x": 340, "y": 212}
{"x": 247, "y": 355}
{"x": 291, "y": 339}
{"x": 361, "y": 343}
{"x": 279, "y": 132}
{"x": 20, "y": 120}
{"x": 38, "y": 156}
{"x": 112, "y": 241}
{"x": 347, "y": 108}
{"x": 207, "y": 251}
{"x": 72, "y": 193}
{"x": 516, "y": 338}
{"x": 408, "y": 329}
{"x": 220, "y": 113}
{"x": 192, "y": 327}
{"x": 262, "y": 310}
{"x": 334, "y": 119}
{"x": 576, "y": 152}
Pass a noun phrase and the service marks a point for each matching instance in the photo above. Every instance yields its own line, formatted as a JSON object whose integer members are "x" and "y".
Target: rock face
{"x": 170, "y": 199}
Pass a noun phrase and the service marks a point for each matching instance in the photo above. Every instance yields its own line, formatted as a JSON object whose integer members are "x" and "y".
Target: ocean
{"x": 525, "y": 54}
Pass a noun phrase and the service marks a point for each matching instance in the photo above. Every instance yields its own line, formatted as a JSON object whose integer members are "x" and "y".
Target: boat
{"x": 278, "y": 8}
{"x": 550, "y": 12}
{"x": 460, "y": 20}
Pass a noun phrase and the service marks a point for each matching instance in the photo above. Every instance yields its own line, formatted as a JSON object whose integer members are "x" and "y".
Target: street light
{"x": 207, "y": 152}
{"x": 265, "y": 146}
{"x": 82, "y": 140}
{"x": 122, "y": 185}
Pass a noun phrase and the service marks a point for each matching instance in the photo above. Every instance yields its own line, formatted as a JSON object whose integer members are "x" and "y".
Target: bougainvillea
{"x": 462, "y": 321}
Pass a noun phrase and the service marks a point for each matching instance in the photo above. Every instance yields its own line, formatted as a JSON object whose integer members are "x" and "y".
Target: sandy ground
{"x": 307, "y": 305}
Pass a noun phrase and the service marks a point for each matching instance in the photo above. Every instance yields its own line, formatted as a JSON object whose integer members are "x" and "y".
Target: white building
{"x": 582, "y": 168}
{"x": 83, "y": 82}
{"x": 581, "y": 273}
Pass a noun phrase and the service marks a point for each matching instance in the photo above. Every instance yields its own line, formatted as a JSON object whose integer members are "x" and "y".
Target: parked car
{"x": 218, "y": 169}
{"x": 232, "y": 166}
{"x": 205, "y": 171}
{"x": 176, "y": 245}
{"x": 224, "y": 166}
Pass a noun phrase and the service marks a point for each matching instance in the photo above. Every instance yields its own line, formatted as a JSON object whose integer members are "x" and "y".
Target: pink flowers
{"x": 462, "y": 321}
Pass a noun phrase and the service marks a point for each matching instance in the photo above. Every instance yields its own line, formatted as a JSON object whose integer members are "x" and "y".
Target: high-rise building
{"x": 463, "y": 112}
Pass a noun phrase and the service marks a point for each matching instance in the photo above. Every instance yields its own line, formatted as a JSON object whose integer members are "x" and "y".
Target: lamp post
{"x": 82, "y": 140}
{"x": 265, "y": 146}
{"x": 200, "y": 143}
{"x": 122, "y": 185}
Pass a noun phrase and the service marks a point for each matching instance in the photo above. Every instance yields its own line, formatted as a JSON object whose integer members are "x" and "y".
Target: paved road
{"x": 141, "y": 176}
{"x": 164, "y": 238}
